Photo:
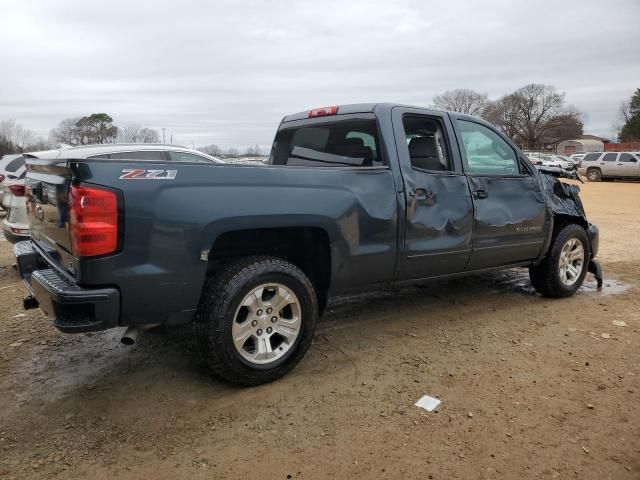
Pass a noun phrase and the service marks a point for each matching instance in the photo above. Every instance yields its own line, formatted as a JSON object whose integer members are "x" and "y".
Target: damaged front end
{"x": 563, "y": 201}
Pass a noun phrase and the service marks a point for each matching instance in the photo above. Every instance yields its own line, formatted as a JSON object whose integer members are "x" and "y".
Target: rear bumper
{"x": 74, "y": 309}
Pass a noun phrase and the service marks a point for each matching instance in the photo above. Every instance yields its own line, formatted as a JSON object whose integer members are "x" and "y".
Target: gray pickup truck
{"x": 355, "y": 197}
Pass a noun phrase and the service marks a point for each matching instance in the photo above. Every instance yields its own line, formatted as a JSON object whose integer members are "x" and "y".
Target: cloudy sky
{"x": 225, "y": 72}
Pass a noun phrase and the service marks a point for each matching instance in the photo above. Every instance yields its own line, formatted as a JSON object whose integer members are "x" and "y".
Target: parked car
{"x": 355, "y": 197}
{"x": 15, "y": 225}
{"x": 609, "y": 165}
{"x": 11, "y": 167}
{"x": 549, "y": 160}
{"x": 576, "y": 157}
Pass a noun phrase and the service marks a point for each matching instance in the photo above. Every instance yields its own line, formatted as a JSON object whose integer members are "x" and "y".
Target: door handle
{"x": 420, "y": 194}
{"x": 479, "y": 194}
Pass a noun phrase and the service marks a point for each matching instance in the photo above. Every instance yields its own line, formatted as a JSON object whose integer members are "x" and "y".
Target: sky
{"x": 226, "y": 72}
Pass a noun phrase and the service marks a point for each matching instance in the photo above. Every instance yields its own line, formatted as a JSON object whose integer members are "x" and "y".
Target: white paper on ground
{"x": 428, "y": 403}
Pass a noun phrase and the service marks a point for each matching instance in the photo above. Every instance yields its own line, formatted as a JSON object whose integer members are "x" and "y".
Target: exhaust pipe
{"x": 131, "y": 334}
{"x": 29, "y": 303}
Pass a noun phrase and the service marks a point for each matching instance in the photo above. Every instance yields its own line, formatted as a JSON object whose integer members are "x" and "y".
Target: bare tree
{"x": 232, "y": 152}
{"x": 535, "y": 114}
{"x": 66, "y": 132}
{"x": 138, "y": 134}
{"x": 149, "y": 135}
{"x": 16, "y": 138}
{"x": 503, "y": 113}
{"x": 462, "y": 100}
{"x": 540, "y": 108}
{"x": 211, "y": 150}
{"x": 129, "y": 134}
{"x": 253, "y": 151}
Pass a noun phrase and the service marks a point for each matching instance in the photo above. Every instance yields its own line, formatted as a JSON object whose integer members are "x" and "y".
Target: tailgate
{"x": 47, "y": 192}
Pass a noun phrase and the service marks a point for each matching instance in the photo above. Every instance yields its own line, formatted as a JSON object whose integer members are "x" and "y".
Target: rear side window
{"x": 610, "y": 157}
{"x": 187, "y": 157}
{"x": 139, "y": 155}
{"x": 426, "y": 143}
{"x": 15, "y": 164}
{"x": 591, "y": 157}
{"x": 348, "y": 143}
{"x": 627, "y": 157}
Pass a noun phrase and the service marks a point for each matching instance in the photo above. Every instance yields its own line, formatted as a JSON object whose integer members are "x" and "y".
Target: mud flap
{"x": 596, "y": 269}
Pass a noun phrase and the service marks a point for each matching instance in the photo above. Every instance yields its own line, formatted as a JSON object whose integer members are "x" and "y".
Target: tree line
{"x": 532, "y": 116}
{"x": 91, "y": 129}
{"x": 629, "y": 125}
{"x": 216, "y": 151}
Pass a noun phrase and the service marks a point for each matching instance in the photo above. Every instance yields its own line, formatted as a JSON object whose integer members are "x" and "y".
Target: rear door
{"x": 628, "y": 165}
{"x": 439, "y": 211}
{"x": 608, "y": 165}
{"x": 509, "y": 204}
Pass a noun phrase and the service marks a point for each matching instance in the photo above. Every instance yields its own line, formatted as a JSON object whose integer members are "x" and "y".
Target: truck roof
{"x": 356, "y": 108}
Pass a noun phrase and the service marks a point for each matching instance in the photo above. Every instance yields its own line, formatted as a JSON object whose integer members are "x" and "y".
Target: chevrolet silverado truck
{"x": 354, "y": 197}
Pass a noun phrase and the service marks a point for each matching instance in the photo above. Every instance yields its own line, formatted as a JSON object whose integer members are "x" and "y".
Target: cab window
{"x": 487, "y": 153}
{"x": 426, "y": 144}
{"x": 187, "y": 157}
{"x": 344, "y": 144}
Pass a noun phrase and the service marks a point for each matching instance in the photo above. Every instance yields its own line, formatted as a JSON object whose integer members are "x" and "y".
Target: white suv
{"x": 600, "y": 165}
{"x": 11, "y": 168}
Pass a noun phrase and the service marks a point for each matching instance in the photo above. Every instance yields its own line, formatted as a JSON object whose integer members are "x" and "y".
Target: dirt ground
{"x": 530, "y": 387}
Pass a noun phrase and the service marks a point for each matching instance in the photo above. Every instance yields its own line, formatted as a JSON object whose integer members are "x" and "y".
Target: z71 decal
{"x": 140, "y": 174}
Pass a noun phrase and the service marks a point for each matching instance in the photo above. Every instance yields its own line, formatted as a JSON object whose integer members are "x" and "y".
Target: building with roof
{"x": 586, "y": 143}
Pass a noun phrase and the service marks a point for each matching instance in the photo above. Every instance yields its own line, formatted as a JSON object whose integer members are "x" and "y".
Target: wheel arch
{"x": 307, "y": 246}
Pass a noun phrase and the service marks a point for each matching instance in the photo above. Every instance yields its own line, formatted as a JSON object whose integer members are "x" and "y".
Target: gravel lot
{"x": 530, "y": 387}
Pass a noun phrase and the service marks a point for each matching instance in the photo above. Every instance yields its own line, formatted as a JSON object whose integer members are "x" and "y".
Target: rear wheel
{"x": 594, "y": 175}
{"x": 256, "y": 320}
{"x": 562, "y": 272}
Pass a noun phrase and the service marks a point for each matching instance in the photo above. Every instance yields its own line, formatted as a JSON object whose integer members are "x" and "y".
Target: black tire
{"x": 220, "y": 300}
{"x": 545, "y": 277}
{"x": 594, "y": 175}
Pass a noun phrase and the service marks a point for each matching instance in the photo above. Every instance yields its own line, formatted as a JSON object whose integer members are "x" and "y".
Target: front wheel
{"x": 562, "y": 272}
{"x": 256, "y": 320}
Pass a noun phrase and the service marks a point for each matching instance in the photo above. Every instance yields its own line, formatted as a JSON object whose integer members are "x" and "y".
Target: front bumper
{"x": 594, "y": 239}
{"x": 74, "y": 309}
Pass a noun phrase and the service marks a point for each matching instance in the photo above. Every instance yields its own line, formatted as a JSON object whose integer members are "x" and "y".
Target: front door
{"x": 509, "y": 204}
{"x": 439, "y": 211}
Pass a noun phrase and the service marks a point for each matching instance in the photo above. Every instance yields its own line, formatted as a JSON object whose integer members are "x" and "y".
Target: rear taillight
{"x": 323, "y": 112}
{"x": 93, "y": 221}
{"x": 17, "y": 190}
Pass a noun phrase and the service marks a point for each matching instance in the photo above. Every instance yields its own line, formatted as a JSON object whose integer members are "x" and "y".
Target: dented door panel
{"x": 509, "y": 223}
{"x": 439, "y": 225}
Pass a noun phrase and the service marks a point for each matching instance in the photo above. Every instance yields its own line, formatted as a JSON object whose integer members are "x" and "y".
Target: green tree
{"x": 96, "y": 128}
{"x": 630, "y": 131}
